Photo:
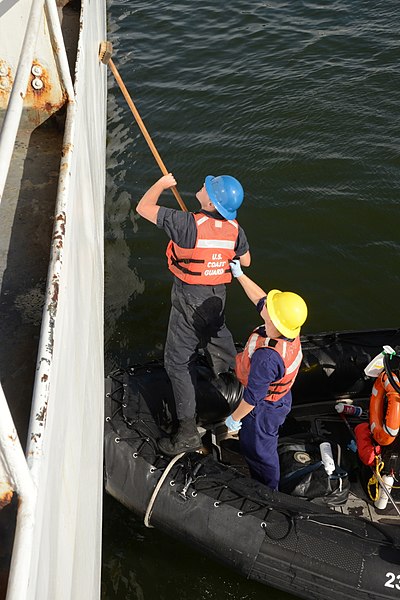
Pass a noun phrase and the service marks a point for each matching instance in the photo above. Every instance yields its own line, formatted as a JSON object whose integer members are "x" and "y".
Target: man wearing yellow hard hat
{"x": 267, "y": 368}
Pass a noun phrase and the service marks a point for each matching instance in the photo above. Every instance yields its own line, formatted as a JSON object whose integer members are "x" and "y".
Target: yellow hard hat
{"x": 287, "y": 311}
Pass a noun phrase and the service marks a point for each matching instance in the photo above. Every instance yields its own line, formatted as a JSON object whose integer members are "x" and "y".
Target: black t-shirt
{"x": 181, "y": 228}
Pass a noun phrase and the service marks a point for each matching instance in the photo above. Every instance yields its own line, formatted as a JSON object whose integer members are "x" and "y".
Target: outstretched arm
{"x": 253, "y": 291}
{"x": 147, "y": 206}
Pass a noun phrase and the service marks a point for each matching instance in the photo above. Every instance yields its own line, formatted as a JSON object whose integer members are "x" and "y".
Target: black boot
{"x": 186, "y": 439}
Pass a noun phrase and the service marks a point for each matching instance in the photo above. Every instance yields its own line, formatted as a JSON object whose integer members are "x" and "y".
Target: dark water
{"x": 300, "y": 101}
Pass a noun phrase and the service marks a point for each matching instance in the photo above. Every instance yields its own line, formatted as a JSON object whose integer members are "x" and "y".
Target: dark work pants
{"x": 196, "y": 322}
{"x": 259, "y": 439}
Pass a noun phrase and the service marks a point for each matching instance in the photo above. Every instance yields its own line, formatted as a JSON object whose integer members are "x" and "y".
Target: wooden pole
{"x": 143, "y": 129}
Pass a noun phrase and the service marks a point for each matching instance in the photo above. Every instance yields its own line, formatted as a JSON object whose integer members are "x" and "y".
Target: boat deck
{"x": 358, "y": 503}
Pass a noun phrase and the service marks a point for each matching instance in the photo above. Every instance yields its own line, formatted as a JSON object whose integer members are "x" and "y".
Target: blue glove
{"x": 236, "y": 268}
{"x": 232, "y": 425}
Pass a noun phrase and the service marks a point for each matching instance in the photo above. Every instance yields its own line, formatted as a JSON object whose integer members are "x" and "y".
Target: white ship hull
{"x": 57, "y": 546}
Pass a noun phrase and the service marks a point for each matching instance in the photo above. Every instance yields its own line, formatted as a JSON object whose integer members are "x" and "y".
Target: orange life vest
{"x": 384, "y": 428}
{"x": 367, "y": 450}
{"x": 290, "y": 352}
{"x": 208, "y": 262}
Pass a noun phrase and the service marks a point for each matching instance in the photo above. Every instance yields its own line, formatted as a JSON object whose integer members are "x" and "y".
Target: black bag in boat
{"x": 303, "y": 473}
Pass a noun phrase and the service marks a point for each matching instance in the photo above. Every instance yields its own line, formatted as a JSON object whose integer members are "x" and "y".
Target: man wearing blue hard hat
{"x": 201, "y": 246}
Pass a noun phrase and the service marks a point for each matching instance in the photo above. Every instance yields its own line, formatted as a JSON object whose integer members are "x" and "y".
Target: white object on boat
{"x": 375, "y": 367}
{"x": 327, "y": 457}
{"x": 383, "y": 497}
{"x": 348, "y": 409}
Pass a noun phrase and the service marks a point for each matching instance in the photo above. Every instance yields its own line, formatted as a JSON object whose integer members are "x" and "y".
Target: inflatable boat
{"x": 327, "y": 533}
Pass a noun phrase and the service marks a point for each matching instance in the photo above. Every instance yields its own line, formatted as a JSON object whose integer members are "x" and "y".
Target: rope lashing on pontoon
{"x": 136, "y": 425}
{"x": 293, "y": 516}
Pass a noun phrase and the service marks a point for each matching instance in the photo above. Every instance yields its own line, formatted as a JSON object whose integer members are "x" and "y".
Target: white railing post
{"x": 12, "y": 117}
{"x": 13, "y": 459}
{"x": 59, "y": 47}
{"x": 45, "y": 350}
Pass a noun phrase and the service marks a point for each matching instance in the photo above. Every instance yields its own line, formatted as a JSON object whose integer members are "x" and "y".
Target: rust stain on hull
{"x": 6, "y": 83}
{"x": 6, "y": 494}
{"x": 44, "y": 98}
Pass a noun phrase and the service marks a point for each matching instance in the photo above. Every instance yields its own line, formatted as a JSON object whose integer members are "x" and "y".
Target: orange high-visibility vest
{"x": 208, "y": 262}
{"x": 290, "y": 352}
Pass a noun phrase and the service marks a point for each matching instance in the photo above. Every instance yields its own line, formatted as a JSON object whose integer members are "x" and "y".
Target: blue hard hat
{"x": 226, "y": 193}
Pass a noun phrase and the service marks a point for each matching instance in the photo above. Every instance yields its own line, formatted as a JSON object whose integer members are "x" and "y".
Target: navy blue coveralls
{"x": 259, "y": 432}
{"x": 197, "y": 319}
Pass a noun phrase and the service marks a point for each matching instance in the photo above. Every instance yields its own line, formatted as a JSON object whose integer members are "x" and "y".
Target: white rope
{"x": 157, "y": 489}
